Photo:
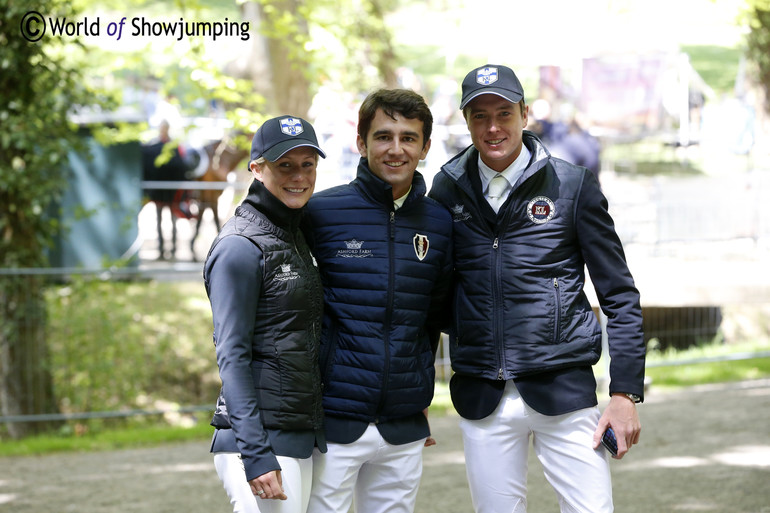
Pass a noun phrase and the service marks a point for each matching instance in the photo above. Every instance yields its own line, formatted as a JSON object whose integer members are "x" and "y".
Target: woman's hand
{"x": 268, "y": 486}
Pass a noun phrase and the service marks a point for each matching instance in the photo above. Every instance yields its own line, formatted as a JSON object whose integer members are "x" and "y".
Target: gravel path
{"x": 704, "y": 449}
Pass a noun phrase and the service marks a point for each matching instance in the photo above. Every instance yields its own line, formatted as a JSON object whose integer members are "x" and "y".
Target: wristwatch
{"x": 635, "y": 398}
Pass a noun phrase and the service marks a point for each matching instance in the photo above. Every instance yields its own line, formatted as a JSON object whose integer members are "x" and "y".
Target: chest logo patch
{"x": 540, "y": 210}
{"x": 421, "y": 245}
{"x": 459, "y": 214}
{"x": 353, "y": 249}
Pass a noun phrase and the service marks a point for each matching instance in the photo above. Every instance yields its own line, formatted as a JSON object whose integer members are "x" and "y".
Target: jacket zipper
{"x": 497, "y": 331}
{"x": 314, "y": 328}
{"x": 388, "y": 313}
{"x": 495, "y": 282}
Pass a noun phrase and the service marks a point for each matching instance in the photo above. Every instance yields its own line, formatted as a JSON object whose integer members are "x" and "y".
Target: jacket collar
{"x": 457, "y": 168}
{"x": 377, "y": 190}
{"x": 259, "y": 199}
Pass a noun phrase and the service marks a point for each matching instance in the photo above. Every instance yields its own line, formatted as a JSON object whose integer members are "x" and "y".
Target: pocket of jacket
{"x": 557, "y": 311}
{"x": 328, "y": 350}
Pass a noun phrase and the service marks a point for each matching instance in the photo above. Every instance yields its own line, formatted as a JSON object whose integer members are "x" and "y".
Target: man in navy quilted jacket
{"x": 384, "y": 252}
{"x": 524, "y": 337}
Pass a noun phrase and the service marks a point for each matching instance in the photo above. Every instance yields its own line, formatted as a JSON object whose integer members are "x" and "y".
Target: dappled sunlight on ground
{"x": 704, "y": 448}
{"x": 738, "y": 456}
{"x": 745, "y": 456}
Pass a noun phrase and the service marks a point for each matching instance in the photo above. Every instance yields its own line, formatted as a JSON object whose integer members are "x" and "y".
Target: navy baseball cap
{"x": 492, "y": 79}
{"x": 279, "y": 135}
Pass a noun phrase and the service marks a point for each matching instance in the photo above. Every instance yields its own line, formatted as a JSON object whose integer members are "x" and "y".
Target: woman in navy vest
{"x": 266, "y": 300}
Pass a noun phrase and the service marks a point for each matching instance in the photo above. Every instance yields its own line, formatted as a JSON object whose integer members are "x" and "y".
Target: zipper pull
{"x": 494, "y": 245}
{"x": 500, "y": 374}
{"x": 556, "y": 283}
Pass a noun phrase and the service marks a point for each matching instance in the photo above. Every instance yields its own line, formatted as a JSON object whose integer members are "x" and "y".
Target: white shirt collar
{"x": 398, "y": 203}
{"x": 511, "y": 173}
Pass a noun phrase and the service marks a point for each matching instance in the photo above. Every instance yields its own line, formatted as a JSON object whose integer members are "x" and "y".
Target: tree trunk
{"x": 255, "y": 64}
{"x": 275, "y": 64}
{"x": 386, "y": 56}
{"x": 289, "y": 79}
{"x": 26, "y": 386}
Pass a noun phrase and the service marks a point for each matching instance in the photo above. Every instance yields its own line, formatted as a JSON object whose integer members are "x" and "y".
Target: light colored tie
{"x": 497, "y": 187}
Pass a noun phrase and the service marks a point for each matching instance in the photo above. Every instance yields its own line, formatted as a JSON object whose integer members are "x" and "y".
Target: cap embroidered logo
{"x": 291, "y": 126}
{"x": 486, "y": 76}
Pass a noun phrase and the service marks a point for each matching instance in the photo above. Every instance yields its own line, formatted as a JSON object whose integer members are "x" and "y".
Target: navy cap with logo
{"x": 492, "y": 79}
{"x": 279, "y": 135}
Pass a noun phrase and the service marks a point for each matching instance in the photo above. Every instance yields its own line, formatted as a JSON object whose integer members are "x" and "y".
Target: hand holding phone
{"x": 610, "y": 442}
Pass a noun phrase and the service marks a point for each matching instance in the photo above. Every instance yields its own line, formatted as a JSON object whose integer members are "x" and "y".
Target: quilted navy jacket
{"x": 386, "y": 275}
{"x": 519, "y": 306}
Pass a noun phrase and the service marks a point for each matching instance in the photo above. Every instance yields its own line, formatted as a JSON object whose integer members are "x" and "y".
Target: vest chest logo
{"x": 286, "y": 273}
{"x": 353, "y": 249}
{"x": 421, "y": 245}
{"x": 459, "y": 214}
{"x": 540, "y": 210}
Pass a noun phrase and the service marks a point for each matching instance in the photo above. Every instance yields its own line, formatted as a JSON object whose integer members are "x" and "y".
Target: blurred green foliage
{"x": 123, "y": 437}
{"x": 758, "y": 43}
{"x": 42, "y": 84}
{"x": 118, "y": 345}
{"x": 717, "y": 65}
{"x": 706, "y": 373}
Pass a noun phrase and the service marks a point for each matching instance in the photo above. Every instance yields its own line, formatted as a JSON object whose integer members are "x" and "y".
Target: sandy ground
{"x": 703, "y": 449}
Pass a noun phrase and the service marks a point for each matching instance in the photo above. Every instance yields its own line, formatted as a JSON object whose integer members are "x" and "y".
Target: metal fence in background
{"x": 680, "y": 326}
{"x": 693, "y": 217}
{"x": 700, "y": 230}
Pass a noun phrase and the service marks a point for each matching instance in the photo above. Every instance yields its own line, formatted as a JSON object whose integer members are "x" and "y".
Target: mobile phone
{"x": 610, "y": 442}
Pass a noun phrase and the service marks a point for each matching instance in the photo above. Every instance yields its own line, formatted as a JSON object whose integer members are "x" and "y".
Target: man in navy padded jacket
{"x": 384, "y": 253}
{"x": 524, "y": 337}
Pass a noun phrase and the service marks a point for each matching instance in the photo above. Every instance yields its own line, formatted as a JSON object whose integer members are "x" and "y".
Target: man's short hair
{"x": 402, "y": 101}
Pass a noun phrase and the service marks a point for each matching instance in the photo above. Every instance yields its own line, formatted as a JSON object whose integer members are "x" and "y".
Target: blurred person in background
{"x": 524, "y": 337}
{"x": 569, "y": 141}
{"x": 266, "y": 300}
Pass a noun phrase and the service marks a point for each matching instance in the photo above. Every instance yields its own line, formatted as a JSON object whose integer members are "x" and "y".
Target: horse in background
{"x": 212, "y": 163}
{"x": 222, "y": 159}
{"x": 174, "y": 169}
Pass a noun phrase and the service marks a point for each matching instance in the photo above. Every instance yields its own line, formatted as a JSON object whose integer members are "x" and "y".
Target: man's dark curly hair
{"x": 402, "y": 101}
